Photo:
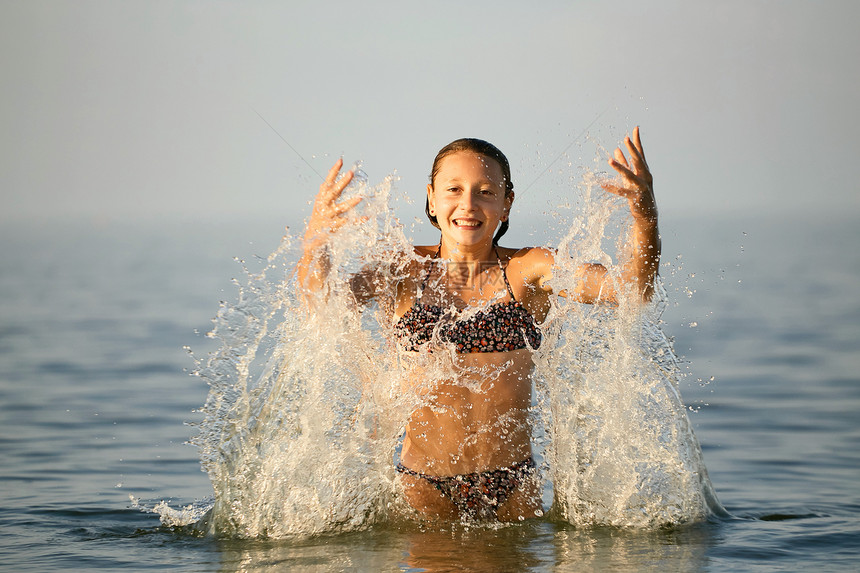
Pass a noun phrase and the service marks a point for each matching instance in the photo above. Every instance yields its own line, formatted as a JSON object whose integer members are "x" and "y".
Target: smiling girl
{"x": 472, "y": 309}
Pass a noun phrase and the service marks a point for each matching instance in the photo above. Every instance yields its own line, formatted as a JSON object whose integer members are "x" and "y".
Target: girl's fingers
{"x": 328, "y": 215}
{"x": 638, "y": 141}
{"x": 333, "y": 186}
{"x": 617, "y": 190}
{"x": 341, "y": 208}
{"x": 334, "y": 189}
{"x": 623, "y": 169}
{"x": 339, "y": 221}
{"x": 639, "y": 150}
{"x": 635, "y": 177}
{"x": 636, "y": 156}
{"x": 344, "y": 181}
{"x": 332, "y": 173}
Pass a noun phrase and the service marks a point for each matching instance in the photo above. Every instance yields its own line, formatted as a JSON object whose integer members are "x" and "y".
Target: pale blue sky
{"x": 114, "y": 110}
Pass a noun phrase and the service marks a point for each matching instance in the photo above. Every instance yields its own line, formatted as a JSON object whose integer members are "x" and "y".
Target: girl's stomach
{"x": 472, "y": 412}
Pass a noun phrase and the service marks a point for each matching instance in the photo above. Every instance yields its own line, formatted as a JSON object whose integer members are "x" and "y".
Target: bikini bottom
{"x": 478, "y": 494}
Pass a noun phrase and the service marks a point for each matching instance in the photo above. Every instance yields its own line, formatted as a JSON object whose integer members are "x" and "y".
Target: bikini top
{"x": 501, "y": 327}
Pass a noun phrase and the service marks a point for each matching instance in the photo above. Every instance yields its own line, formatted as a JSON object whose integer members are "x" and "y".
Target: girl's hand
{"x": 328, "y": 215}
{"x": 636, "y": 182}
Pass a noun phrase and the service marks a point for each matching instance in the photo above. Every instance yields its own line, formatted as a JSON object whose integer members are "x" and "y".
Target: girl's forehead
{"x": 466, "y": 161}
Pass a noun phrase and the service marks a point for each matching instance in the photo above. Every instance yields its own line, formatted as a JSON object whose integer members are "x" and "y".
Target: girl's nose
{"x": 466, "y": 200}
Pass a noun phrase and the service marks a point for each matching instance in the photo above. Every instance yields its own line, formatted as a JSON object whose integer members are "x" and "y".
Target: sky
{"x": 129, "y": 110}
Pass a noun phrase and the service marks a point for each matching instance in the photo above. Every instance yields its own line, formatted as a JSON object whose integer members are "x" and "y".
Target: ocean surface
{"x": 96, "y": 397}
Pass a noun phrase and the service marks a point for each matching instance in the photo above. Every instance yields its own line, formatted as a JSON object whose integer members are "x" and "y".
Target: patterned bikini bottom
{"x": 478, "y": 494}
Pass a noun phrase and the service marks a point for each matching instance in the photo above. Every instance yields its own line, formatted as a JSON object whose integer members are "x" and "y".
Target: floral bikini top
{"x": 501, "y": 327}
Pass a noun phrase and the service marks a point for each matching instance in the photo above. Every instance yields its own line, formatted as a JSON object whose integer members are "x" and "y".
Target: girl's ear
{"x": 509, "y": 200}
{"x": 431, "y": 201}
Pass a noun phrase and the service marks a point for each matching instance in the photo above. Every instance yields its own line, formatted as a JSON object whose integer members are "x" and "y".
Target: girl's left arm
{"x": 639, "y": 270}
{"x": 636, "y": 184}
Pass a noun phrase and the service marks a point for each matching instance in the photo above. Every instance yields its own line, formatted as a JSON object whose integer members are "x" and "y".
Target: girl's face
{"x": 468, "y": 198}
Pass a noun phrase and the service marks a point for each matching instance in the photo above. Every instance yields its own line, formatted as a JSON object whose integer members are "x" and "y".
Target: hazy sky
{"x": 117, "y": 109}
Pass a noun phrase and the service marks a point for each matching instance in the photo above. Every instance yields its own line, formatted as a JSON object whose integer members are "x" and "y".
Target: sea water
{"x": 94, "y": 319}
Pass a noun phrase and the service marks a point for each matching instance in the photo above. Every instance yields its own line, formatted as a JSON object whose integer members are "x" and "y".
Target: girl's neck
{"x": 467, "y": 262}
{"x": 474, "y": 254}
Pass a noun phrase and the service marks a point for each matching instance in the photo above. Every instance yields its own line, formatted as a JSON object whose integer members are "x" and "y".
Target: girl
{"x": 471, "y": 309}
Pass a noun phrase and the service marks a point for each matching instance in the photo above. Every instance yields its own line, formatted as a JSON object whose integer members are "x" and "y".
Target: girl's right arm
{"x": 327, "y": 217}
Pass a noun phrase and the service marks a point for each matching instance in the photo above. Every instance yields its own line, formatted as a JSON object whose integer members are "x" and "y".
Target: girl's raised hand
{"x": 328, "y": 215}
{"x": 636, "y": 182}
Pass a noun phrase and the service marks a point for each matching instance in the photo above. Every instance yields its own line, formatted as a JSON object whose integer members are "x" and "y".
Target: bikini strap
{"x": 504, "y": 274}
{"x": 436, "y": 256}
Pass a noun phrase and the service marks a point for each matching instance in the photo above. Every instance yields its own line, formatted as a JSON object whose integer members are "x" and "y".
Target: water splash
{"x": 305, "y": 411}
{"x": 621, "y": 450}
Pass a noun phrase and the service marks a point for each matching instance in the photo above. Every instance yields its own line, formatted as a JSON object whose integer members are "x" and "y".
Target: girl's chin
{"x": 468, "y": 238}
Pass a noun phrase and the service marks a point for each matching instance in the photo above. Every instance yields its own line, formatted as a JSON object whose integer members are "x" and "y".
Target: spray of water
{"x": 619, "y": 445}
{"x": 306, "y": 409}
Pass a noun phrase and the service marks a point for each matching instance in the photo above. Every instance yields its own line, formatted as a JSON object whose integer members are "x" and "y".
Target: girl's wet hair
{"x": 480, "y": 147}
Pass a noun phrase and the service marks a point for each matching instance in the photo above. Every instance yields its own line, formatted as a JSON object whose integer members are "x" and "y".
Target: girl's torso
{"x": 467, "y": 355}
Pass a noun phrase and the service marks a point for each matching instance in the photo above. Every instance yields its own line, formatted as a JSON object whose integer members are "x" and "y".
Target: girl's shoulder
{"x": 532, "y": 264}
{"x": 527, "y": 256}
{"x": 425, "y": 250}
